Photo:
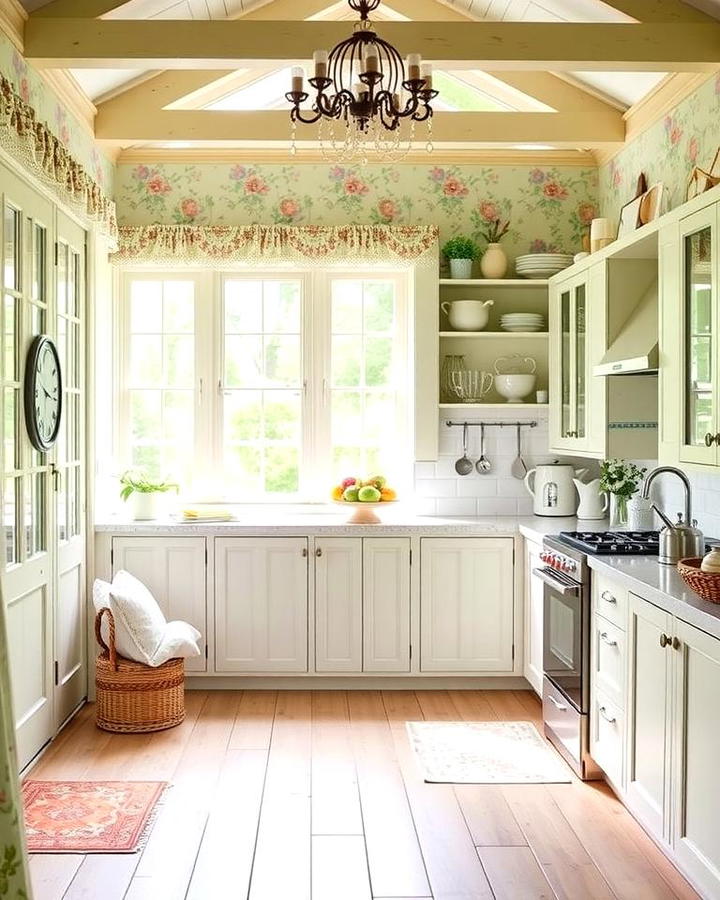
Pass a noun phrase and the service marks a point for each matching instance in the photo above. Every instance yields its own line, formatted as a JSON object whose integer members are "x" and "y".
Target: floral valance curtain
{"x": 30, "y": 141}
{"x": 213, "y": 244}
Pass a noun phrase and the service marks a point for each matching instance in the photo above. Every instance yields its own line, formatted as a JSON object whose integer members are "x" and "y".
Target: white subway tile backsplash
{"x": 497, "y": 506}
{"x": 457, "y": 507}
{"x": 436, "y": 487}
{"x": 477, "y": 486}
{"x": 425, "y": 470}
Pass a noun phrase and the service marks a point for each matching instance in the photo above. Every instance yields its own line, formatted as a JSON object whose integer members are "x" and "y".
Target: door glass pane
{"x": 580, "y": 351}
{"x": 10, "y": 411}
{"x": 10, "y": 339}
{"x": 699, "y": 413}
{"x": 565, "y": 366}
{"x": 11, "y": 248}
{"x": 39, "y": 501}
{"x": 11, "y": 500}
{"x": 38, "y": 263}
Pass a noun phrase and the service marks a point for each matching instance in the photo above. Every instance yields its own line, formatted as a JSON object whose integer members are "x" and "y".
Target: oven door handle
{"x": 565, "y": 590}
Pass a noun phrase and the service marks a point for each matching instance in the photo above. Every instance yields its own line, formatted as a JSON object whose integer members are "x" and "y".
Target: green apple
{"x": 350, "y": 494}
{"x": 378, "y": 481}
{"x": 369, "y": 494}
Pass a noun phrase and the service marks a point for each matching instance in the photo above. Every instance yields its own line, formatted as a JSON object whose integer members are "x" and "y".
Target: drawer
{"x": 610, "y": 600}
{"x": 607, "y": 660}
{"x": 607, "y": 726}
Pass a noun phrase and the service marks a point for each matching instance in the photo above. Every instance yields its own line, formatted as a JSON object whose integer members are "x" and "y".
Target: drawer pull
{"x": 318, "y": 552}
{"x": 604, "y": 713}
{"x": 606, "y": 640}
{"x": 556, "y": 704}
{"x": 608, "y": 597}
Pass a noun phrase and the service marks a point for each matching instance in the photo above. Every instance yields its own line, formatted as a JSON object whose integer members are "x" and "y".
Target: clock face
{"x": 43, "y": 393}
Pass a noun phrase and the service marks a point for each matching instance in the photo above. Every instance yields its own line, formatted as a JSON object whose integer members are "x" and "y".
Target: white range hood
{"x": 635, "y": 350}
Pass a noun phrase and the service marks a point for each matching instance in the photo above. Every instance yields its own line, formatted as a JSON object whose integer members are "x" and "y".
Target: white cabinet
{"x": 386, "y": 605}
{"x": 261, "y": 604}
{"x": 648, "y": 708}
{"x": 696, "y": 774}
{"x": 338, "y": 604}
{"x": 607, "y": 655}
{"x": 578, "y": 330}
{"x": 533, "y": 592}
{"x": 466, "y": 605}
{"x": 174, "y": 571}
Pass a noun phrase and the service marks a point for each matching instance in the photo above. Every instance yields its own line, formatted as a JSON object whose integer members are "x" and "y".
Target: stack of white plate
{"x": 542, "y": 265}
{"x": 522, "y": 322}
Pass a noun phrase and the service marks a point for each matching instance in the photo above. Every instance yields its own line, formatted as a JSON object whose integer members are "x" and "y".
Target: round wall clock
{"x": 43, "y": 393}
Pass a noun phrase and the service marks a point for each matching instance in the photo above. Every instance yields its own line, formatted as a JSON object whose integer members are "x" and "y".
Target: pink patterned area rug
{"x": 89, "y": 816}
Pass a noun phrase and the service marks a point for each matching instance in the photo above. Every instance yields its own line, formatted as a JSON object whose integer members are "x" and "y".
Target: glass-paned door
{"x": 27, "y": 572}
{"x": 580, "y": 362}
{"x": 566, "y": 363}
{"x": 69, "y": 471}
{"x": 700, "y": 392}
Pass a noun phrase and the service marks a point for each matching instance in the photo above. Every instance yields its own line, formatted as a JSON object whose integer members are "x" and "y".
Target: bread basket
{"x": 706, "y": 584}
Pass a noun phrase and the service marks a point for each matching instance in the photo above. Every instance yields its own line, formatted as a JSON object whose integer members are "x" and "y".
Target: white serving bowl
{"x": 467, "y": 315}
{"x": 514, "y": 388}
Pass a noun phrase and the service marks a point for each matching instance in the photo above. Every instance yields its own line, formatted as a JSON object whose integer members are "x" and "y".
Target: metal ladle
{"x": 518, "y": 468}
{"x": 464, "y": 465}
{"x": 483, "y": 464}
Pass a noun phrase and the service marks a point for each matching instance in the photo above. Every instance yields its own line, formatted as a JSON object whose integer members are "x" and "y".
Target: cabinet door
{"x": 533, "y": 656}
{"x": 386, "y": 605}
{"x": 700, "y": 422}
{"x": 261, "y": 602}
{"x": 338, "y": 605}
{"x": 174, "y": 571}
{"x": 696, "y": 777}
{"x": 648, "y": 751}
{"x": 466, "y": 605}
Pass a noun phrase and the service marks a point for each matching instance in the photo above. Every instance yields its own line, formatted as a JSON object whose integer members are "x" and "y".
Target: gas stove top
{"x": 610, "y": 543}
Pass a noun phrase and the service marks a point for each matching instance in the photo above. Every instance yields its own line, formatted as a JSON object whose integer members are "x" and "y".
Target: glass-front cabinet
{"x": 576, "y": 327}
{"x": 700, "y": 394}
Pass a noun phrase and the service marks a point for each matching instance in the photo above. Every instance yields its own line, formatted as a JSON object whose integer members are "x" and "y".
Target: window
{"x": 265, "y": 385}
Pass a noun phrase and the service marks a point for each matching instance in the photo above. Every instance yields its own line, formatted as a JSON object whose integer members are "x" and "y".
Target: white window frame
{"x": 315, "y": 457}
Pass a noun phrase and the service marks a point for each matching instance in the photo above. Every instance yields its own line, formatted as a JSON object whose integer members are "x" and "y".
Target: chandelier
{"x": 363, "y": 90}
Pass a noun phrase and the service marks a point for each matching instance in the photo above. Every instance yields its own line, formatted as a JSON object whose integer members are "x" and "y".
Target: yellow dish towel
{"x": 207, "y": 512}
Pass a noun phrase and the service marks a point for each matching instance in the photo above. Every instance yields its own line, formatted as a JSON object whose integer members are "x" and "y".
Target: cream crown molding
{"x": 12, "y": 22}
{"x": 210, "y": 156}
{"x": 663, "y": 98}
{"x": 67, "y": 89}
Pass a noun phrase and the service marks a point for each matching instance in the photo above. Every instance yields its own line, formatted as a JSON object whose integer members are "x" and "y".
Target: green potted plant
{"x": 461, "y": 251}
{"x": 144, "y": 491}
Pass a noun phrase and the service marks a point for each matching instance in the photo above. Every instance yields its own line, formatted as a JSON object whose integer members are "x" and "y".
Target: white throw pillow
{"x": 179, "y": 639}
{"x": 141, "y": 632}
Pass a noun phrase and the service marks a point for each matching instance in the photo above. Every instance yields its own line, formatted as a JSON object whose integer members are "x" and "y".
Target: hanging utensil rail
{"x": 530, "y": 424}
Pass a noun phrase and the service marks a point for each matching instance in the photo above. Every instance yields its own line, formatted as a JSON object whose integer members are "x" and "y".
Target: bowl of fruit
{"x": 364, "y": 496}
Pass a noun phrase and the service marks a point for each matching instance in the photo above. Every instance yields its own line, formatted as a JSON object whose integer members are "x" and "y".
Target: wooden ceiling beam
{"x": 517, "y": 46}
{"x": 76, "y": 9}
{"x": 130, "y": 124}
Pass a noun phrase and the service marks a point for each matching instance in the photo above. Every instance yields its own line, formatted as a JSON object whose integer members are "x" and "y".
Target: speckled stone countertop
{"x": 661, "y": 585}
{"x": 395, "y": 522}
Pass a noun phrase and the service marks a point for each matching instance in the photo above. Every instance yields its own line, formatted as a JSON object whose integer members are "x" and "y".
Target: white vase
{"x": 144, "y": 506}
{"x": 493, "y": 263}
{"x": 461, "y": 268}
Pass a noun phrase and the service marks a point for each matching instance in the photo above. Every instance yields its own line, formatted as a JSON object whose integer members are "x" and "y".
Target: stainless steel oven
{"x": 566, "y": 653}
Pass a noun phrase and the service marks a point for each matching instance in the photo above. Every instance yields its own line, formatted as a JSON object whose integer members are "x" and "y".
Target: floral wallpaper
{"x": 549, "y": 207}
{"x": 687, "y": 136}
{"x": 34, "y": 91}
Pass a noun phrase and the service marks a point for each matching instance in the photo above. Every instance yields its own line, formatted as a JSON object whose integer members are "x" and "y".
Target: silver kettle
{"x": 679, "y": 541}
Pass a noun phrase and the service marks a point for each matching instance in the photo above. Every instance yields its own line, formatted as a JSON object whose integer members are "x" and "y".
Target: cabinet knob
{"x": 318, "y": 551}
{"x": 717, "y": 438}
{"x": 665, "y": 641}
{"x": 676, "y": 643}
{"x": 710, "y": 439}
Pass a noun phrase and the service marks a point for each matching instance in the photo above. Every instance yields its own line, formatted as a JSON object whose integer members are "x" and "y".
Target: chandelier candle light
{"x": 363, "y": 84}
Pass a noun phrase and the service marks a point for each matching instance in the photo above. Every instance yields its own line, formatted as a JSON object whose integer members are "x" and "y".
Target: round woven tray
{"x": 132, "y": 697}
{"x": 706, "y": 584}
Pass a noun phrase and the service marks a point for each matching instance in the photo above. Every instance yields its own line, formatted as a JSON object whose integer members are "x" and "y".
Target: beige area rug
{"x": 485, "y": 753}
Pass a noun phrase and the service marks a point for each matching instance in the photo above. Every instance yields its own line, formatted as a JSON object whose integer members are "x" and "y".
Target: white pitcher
{"x": 593, "y": 501}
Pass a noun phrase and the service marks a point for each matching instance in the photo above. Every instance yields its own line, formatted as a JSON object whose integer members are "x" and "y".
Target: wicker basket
{"x": 132, "y": 697}
{"x": 707, "y": 584}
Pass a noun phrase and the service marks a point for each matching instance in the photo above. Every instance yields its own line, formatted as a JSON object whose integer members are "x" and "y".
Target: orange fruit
{"x": 388, "y": 494}
{"x": 337, "y": 492}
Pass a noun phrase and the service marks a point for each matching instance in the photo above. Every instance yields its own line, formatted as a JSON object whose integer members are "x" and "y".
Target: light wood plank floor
{"x": 315, "y": 795}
